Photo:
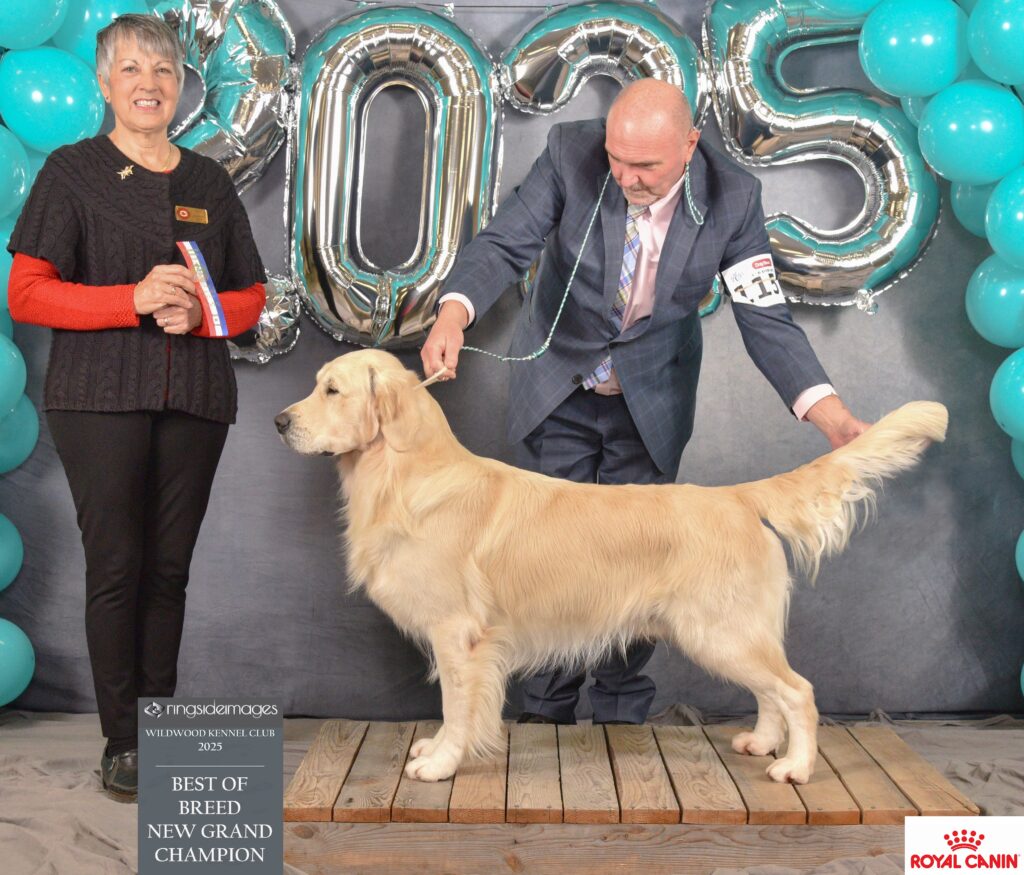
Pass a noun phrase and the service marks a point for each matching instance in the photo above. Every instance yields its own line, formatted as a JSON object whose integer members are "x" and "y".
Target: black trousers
{"x": 141, "y": 483}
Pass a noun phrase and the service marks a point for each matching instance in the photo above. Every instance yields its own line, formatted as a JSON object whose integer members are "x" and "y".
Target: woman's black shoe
{"x": 120, "y": 774}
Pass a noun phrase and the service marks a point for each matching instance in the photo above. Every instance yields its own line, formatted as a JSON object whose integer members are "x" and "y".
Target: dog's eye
{"x": 331, "y": 390}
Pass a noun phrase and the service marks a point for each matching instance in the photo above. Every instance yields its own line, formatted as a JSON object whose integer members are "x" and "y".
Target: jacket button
{"x": 577, "y": 379}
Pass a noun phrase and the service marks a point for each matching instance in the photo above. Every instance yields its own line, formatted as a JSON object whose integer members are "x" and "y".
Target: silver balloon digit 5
{"x": 764, "y": 121}
{"x": 344, "y": 69}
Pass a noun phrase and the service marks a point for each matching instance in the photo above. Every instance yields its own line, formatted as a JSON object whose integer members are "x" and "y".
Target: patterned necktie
{"x": 630, "y": 252}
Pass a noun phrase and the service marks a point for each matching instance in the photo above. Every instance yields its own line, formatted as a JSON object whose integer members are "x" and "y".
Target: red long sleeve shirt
{"x": 36, "y": 294}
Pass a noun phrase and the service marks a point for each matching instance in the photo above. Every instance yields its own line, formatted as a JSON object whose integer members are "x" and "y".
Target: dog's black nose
{"x": 283, "y": 422}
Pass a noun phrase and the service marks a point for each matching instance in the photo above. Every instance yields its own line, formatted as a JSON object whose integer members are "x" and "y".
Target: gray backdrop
{"x": 923, "y": 613}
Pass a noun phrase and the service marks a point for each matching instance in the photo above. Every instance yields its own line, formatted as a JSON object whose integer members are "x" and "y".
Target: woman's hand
{"x": 179, "y": 320}
{"x": 166, "y": 285}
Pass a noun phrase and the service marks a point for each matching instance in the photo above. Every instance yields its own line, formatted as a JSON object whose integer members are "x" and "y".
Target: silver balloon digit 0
{"x": 344, "y": 69}
{"x": 764, "y": 121}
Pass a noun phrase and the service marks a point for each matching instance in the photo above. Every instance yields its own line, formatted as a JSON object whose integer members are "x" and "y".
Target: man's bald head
{"x": 652, "y": 104}
{"x": 650, "y": 138}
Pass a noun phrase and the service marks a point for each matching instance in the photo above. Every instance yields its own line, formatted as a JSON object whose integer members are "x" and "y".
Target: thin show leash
{"x": 543, "y": 348}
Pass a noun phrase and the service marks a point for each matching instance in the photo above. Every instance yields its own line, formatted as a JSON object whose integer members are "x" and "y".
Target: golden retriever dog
{"x": 498, "y": 570}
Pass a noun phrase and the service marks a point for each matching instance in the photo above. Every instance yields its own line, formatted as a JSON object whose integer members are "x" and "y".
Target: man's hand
{"x": 835, "y": 421}
{"x": 445, "y": 340}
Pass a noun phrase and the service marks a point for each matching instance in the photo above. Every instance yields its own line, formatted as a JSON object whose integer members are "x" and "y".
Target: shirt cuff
{"x": 809, "y": 397}
{"x": 462, "y": 299}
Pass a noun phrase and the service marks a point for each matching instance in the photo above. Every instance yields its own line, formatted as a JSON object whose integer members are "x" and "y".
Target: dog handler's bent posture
{"x": 139, "y": 390}
{"x": 612, "y": 400}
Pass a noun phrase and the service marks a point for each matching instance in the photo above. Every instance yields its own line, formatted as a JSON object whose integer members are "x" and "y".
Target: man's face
{"x": 646, "y": 163}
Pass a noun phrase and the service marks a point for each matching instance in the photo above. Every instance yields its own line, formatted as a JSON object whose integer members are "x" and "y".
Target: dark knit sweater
{"x": 98, "y": 228}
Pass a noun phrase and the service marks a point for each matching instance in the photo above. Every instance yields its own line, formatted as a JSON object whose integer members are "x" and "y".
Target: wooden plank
{"x": 310, "y": 795}
{"x": 534, "y": 791}
{"x": 373, "y": 779}
{"x": 931, "y": 794}
{"x": 422, "y": 801}
{"x": 826, "y": 799}
{"x": 478, "y": 795}
{"x": 645, "y": 791}
{"x": 703, "y": 787}
{"x": 588, "y": 788}
{"x": 575, "y": 849}
{"x": 767, "y": 801}
{"x": 879, "y": 799}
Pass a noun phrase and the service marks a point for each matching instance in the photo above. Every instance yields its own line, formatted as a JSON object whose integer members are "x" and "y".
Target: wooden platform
{"x": 585, "y": 774}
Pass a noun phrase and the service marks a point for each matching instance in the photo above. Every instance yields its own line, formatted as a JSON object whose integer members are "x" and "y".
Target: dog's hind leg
{"x": 769, "y": 732}
{"x": 755, "y": 659}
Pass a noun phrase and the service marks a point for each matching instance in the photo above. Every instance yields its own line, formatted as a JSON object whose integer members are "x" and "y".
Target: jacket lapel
{"x": 613, "y": 228}
{"x": 678, "y": 245}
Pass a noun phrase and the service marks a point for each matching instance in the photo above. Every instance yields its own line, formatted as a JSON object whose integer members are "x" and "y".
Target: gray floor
{"x": 54, "y": 818}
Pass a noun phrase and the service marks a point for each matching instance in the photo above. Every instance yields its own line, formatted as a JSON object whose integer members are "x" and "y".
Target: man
{"x": 612, "y": 400}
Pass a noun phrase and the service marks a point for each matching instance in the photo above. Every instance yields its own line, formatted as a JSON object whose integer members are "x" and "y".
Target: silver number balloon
{"x": 765, "y": 121}
{"x": 242, "y": 51}
{"x": 342, "y": 72}
{"x": 556, "y": 54}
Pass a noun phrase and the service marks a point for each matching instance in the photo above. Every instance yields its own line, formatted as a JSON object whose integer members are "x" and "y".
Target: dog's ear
{"x": 395, "y": 408}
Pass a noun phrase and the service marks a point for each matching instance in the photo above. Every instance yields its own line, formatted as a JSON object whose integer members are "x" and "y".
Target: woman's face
{"x": 142, "y": 91}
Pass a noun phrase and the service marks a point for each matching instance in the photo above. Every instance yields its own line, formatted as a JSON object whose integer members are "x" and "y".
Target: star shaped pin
{"x": 124, "y": 174}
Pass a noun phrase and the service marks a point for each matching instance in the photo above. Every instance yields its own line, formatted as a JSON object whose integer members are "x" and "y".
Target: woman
{"x": 139, "y": 390}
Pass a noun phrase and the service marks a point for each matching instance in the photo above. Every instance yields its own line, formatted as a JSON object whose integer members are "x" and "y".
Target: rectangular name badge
{"x": 191, "y": 214}
{"x": 753, "y": 282}
{"x": 209, "y": 300}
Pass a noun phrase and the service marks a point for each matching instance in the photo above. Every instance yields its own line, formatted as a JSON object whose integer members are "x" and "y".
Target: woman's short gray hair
{"x": 154, "y": 36}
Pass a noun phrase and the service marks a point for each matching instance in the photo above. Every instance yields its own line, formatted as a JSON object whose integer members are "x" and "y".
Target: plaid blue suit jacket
{"x": 657, "y": 359}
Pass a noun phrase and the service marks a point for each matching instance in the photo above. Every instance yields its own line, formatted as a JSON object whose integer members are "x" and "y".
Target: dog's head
{"x": 360, "y": 399}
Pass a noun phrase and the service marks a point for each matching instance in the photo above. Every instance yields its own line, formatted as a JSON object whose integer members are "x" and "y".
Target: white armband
{"x": 753, "y": 282}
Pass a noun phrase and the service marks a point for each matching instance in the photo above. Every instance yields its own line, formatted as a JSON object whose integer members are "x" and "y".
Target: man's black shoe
{"x": 530, "y": 717}
{"x": 120, "y": 774}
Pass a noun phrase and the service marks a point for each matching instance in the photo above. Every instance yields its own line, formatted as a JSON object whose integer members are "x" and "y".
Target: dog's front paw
{"x": 426, "y": 746}
{"x": 755, "y": 745}
{"x": 437, "y": 767}
{"x": 789, "y": 769}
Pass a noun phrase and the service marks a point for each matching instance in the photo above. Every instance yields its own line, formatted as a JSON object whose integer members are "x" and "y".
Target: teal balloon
{"x": 1006, "y": 395}
{"x": 1019, "y": 556}
{"x": 1004, "y": 218}
{"x": 86, "y": 18}
{"x": 5, "y": 272}
{"x": 17, "y": 662}
{"x": 12, "y": 374}
{"x": 913, "y": 108}
{"x": 28, "y": 23}
{"x": 12, "y": 552}
{"x": 1017, "y": 455}
{"x": 49, "y": 98}
{"x": 969, "y": 203}
{"x": 973, "y": 132}
{"x": 36, "y": 160}
{"x": 6, "y": 324}
{"x": 913, "y": 48}
{"x": 968, "y": 5}
{"x": 19, "y": 432}
{"x": 995, "y": 36}
{"x": 995, "y": 302}
{"x": 13, "y": 172}
{"x": 846, "y": 8}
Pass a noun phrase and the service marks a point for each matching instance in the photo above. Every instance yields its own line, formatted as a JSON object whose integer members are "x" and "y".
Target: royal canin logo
{"x": 963, "y": 840}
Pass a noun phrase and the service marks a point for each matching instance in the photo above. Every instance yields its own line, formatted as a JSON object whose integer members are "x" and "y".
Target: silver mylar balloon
{"x": 765, "y": 121}
{"x": 342, "y": 72}
{"x": 556, "y": 54}
{"x": 278, "y": 329}
{"x": 242, "y": 51}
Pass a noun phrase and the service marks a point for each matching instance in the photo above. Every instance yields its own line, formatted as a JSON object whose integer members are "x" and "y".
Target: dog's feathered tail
{"x": 815, "y": 508}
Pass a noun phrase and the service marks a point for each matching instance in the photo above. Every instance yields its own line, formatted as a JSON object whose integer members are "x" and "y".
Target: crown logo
{"x": 962, "y": 839}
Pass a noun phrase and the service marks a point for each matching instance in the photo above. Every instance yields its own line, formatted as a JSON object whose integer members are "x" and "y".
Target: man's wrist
{"x": 454, "y": 311}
